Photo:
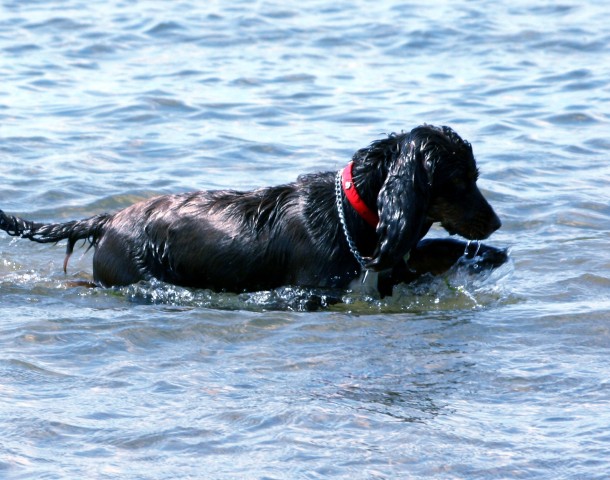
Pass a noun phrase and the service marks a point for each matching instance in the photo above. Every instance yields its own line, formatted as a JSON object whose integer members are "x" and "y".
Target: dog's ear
{"x": 402, "y": 203}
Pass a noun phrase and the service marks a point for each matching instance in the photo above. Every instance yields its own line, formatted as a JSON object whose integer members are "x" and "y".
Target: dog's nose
{"x": 495, "y": 223}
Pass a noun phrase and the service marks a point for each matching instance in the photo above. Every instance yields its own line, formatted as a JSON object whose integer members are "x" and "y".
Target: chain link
{"x": 348, "y": 237}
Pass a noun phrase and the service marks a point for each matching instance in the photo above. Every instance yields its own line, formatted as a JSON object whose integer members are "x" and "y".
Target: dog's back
{"x": 222, "y": 240}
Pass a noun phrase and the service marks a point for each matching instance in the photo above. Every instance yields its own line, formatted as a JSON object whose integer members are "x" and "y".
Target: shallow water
{"x": 501, "y": 375}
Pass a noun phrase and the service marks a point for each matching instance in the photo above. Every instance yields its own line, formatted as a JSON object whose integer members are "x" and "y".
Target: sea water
{"x": 492, "y": 376}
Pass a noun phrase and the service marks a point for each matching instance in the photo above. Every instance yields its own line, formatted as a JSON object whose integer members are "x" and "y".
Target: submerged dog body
{"x": 307, "y": 233}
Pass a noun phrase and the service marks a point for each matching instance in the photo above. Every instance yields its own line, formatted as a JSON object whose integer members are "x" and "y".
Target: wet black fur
{"x": 291, "y": 234}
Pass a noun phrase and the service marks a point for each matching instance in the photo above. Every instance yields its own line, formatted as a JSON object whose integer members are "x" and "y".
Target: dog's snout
{"x": 495, "y": 222}
{"x": 488, "y": 220}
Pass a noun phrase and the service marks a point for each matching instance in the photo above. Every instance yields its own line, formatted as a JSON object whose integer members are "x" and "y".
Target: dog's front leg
{"x": 436, "y": 256}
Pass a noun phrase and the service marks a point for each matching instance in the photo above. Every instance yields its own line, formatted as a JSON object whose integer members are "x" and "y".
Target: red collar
{"x": 354, "y": 198}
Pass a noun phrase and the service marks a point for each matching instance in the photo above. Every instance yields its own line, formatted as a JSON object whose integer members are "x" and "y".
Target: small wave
{"x": 575, "y": 118}
{"x": 20, "y": 371}
{"x": 165, "y": 28}
{"x": 57, "y": 24}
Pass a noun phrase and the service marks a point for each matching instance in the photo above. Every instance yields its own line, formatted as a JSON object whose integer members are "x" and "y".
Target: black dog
{"x": 323, "y": 230}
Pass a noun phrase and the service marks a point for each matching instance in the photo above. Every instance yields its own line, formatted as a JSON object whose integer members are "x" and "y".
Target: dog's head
{"x": 428, "y": 175}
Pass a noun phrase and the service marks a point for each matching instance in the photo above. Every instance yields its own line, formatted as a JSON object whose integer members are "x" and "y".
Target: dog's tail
{"x": 88, "y": 230}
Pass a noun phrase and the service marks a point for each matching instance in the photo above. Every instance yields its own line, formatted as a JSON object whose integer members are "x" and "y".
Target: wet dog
{"x": 324, "y": 230}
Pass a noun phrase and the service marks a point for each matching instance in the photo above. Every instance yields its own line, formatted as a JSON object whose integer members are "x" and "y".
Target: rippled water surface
{"x": 503, "y": 375}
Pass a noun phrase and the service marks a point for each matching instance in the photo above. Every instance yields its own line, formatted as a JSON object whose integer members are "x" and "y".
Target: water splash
{"x": 462, "y": 288}
{"x": 477, "y": 247}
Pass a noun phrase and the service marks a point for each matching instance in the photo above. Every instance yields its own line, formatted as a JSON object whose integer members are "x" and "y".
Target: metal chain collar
{"x": 348, "y": 237}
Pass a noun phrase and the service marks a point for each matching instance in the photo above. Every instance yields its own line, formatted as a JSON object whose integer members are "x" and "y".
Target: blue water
{"x": 490, "y": 377}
